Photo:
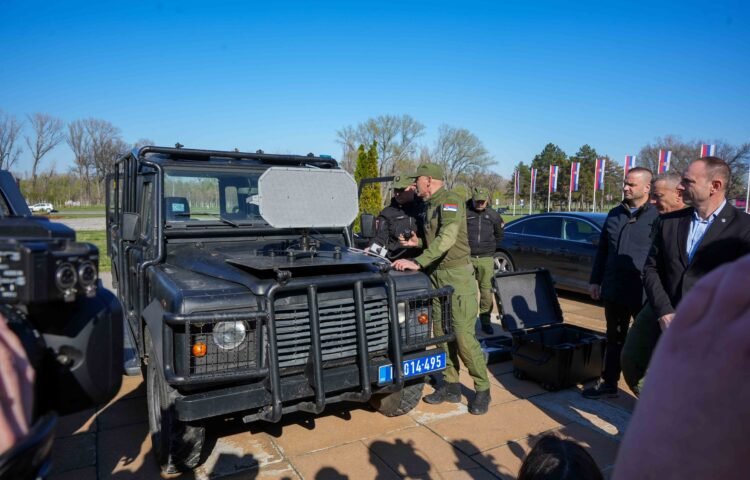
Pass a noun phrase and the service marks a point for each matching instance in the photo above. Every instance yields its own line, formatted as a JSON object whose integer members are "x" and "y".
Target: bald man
{"x": 616, "y": 273}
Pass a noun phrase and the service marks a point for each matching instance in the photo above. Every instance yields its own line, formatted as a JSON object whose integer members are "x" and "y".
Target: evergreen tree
{"x": 370, "y": 200}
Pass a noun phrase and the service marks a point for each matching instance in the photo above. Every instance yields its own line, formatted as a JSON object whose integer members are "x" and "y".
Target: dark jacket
{"x": 667, "y": 275}
{"x": 623, "y": 247}
{"x": 393, "y": 221}
{"x": 485, "y": 230}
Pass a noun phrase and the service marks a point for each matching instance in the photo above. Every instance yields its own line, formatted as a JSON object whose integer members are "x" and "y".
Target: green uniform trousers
{"x": 484, "y": 268}
{"x": 639, "y": 346}
{"x": 464, "y": 305}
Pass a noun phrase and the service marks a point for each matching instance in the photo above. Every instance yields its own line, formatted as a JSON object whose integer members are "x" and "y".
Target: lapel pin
{"x": 723, "y": 220}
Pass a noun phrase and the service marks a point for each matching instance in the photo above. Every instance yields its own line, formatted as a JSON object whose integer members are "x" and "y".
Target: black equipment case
{"x": 544, "y": 348}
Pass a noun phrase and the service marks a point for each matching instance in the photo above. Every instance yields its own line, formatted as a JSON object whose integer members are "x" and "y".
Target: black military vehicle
{"x": 245, "y": 297}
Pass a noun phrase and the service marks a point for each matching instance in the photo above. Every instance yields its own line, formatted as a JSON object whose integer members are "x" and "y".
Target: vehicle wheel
{"x": 177, "y": 445}
{"x": 503, "y": 262}
{"x": 398, "y": 403}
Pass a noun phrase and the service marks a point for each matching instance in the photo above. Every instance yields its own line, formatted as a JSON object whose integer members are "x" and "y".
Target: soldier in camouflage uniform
{"x": 446, "y": 260}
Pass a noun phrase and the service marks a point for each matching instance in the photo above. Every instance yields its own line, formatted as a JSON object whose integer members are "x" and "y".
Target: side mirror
{"x": 367, "y": 225}
{"x": 131, "y": 226}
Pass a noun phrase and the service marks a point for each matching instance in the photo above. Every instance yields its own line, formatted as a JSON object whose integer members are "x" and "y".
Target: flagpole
{"x": 531, "y": 199}
{"x": 593, "y": 205}
{"x": 747, "y": 196}
{"x": 570, "y": 190}
{"x": 515, "y": 191}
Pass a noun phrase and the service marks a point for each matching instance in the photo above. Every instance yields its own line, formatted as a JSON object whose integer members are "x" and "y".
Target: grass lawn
{"x": 98, "y": 238}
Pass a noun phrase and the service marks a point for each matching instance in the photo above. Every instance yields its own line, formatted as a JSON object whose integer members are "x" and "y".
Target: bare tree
{"x": 396, "y": 137}
{"x": 80, "y": 143}
{"x": 10, "y": 128}
{"x": 460, "y": 152}
{"x": 142, "y": 142}
{"x": 106, "y": 148}
{"x": 347, "y": 138}
{"x": 47, "y": 133}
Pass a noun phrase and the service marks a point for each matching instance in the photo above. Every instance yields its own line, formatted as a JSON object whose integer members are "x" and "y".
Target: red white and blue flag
{"x": 599, "y": 174}
{"x": 665, "y": 158}
{"x": 517, "y": 181}
{"x": 575, "y": 172}
{"x": 708, "y": 150}
{"x": 629, "y": 163}
{"x": 553, "y": 169}
{"x": 533, "y": 180}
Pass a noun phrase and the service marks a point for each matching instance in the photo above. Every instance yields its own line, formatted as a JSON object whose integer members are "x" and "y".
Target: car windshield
{"x": 192, "y": 196}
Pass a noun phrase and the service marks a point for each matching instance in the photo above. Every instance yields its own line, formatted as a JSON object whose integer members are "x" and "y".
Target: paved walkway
{"x": 352, "y": 441}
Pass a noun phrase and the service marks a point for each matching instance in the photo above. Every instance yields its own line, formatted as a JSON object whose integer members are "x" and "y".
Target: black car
{"x": 563, "y": 243}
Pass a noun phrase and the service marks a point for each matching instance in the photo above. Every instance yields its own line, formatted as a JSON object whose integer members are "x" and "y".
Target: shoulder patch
{"x": 450, "y": 207}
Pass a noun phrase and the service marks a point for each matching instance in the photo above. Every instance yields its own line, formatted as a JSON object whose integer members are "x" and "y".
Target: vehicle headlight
{"x": 229, "y": 335}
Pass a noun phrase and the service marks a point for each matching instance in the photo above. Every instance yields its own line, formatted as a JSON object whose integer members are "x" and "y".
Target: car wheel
{"x": 398, "y": 403}
{"x": 177, "y": 445}
{"x": 503, "y": 262}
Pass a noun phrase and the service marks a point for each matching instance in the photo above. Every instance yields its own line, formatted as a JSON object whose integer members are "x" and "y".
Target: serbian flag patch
{"x": 450, "y": 207}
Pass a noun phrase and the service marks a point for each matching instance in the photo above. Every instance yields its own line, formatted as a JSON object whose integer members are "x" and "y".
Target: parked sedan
{"x": 563, "y": 243}
{"x": 42, "y": 207}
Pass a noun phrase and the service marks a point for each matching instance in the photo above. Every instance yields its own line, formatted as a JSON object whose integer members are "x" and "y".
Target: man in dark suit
{"x": 691, "y": 242}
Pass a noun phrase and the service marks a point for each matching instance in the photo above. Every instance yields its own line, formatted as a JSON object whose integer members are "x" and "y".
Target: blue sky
{"x": 284, "y": 76}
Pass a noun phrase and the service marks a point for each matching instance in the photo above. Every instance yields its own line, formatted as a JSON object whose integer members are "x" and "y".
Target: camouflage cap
{"x": 479, "y": 193}
{"x": 429, "y": 170}
{"x": 400, "y": 182}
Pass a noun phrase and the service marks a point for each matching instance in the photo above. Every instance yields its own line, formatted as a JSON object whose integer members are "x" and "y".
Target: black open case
{"x": 544, "y": 348}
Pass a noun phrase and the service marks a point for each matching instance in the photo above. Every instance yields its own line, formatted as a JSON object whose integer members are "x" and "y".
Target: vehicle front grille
{"x": 338, "y": 330}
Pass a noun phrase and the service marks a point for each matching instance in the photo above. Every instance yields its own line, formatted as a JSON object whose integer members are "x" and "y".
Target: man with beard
{"x": 446, "y": 260}
{"x": 398, "y": 218}
{"x": 616, "y": 273}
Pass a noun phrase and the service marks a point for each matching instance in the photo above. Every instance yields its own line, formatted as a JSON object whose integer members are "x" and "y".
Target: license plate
{"x": 414, "y": 367}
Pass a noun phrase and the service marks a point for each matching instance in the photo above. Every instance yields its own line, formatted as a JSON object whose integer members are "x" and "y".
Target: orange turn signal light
{"x": 199, "y": 349}
{"x": 423, "y": 318}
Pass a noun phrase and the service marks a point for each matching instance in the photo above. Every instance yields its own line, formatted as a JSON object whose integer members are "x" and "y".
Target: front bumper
{"x": 341, "y": 384}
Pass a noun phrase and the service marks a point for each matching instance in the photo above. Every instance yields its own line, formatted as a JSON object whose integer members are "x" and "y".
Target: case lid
{"x": 527, "y": 299}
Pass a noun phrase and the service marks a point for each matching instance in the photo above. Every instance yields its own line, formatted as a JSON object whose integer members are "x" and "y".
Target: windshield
{"x": 193, "y": 196}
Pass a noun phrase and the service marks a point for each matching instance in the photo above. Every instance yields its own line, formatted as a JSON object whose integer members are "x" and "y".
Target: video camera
{"x": 52, "y": 299}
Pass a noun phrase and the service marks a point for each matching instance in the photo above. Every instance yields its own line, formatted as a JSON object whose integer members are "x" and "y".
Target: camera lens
{"x": 87, "y": 274}
{"x": 65, "y": 276}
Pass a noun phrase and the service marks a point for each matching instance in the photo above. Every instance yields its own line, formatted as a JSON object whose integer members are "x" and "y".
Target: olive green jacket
{"x": 446, "y": 243}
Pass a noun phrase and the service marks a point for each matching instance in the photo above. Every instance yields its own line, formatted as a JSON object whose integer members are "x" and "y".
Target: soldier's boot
{"x": 480, "y": 404}
{"x": 485, "y": 320}
{"x": 447, "y": 392}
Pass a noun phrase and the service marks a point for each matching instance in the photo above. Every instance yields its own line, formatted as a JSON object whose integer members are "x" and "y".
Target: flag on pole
{"x": 629, "y": 163}
{"x": 708, "y": 150}
{"x": 517, "y": 181}
{"x": 533, "y": 180}
{"x": 599, "y": 174}
{"x": 665, "y": 158}
{"x": 575, "y": 171}
{"x": 553, "y": 178}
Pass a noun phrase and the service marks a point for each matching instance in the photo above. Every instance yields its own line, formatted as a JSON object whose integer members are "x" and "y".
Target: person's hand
{"x": 692, "y": 417}
{"x": 665, "y": 320}
{"x": 404, "y": 264}
{"x": 367, "y": 249}
{"x": 16, "y": 388}
{"x": 595, "y": 291}
{"x": 412, "y": 242}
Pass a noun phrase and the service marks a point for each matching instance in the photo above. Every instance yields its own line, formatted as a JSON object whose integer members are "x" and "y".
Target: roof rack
{"x": 270, "y": 158}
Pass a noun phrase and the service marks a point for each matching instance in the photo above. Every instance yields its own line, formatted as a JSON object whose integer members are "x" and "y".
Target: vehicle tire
{"x": 398, "y": 403}
{"x": 503, "y": 262}
{"x": 177, "y": 445}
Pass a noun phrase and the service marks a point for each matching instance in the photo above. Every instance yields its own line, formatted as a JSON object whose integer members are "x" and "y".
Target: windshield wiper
{"x": 223, "y": 219}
